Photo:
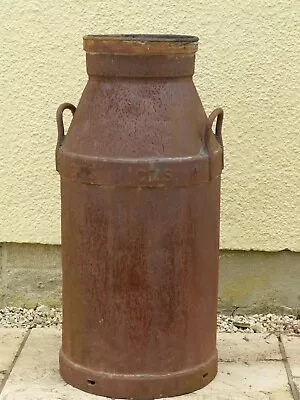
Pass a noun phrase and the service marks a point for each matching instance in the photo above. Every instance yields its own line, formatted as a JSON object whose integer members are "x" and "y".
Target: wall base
{"x": 252, "y": 281}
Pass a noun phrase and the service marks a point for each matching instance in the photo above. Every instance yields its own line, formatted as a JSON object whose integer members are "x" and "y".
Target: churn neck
{"x": 140, "y": 56}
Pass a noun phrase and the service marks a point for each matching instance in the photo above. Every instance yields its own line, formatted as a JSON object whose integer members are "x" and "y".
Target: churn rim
{"x": 141, "y": 44}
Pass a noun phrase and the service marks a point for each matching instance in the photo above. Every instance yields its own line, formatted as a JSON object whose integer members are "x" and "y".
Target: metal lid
{"x": 140, "y": 44}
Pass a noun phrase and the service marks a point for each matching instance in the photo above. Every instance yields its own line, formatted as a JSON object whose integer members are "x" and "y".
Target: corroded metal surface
{"x": 140, "y": 189}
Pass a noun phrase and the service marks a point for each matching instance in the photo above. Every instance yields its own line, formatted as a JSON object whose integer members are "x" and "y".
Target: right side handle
{"x": 219, "y": 114}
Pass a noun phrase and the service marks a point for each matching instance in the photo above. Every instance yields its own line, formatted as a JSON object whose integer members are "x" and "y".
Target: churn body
{"x": 140, "y": 189}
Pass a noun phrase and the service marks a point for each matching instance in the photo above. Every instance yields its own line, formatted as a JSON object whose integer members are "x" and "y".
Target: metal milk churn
{"x": 140, "y": 192}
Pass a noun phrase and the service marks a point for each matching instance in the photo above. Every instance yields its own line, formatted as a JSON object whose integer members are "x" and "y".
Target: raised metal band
{"x": 159, "y": 66}
{"x": 150, "y": 172}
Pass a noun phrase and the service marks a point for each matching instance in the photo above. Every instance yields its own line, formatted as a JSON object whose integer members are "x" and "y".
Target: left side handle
{"x": 60, "y": 124}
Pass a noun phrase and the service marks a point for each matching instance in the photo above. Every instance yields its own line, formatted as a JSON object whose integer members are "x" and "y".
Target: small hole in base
{"x": 90, "y": 382}
{"x": 205, "y": 375}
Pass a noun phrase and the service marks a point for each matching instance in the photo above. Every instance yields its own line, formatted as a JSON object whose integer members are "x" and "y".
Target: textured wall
{"x": 248, "y": 62}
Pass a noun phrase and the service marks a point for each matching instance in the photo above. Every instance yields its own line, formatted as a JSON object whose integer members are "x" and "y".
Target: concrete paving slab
{"x": 36, "y": 377}
{"x": 292, "y": 349}
{"x": 251, "y": 347}
{"x": 10, "y": 342}
{"x": 297, "y": 383}
{"x": 235, "y": 381}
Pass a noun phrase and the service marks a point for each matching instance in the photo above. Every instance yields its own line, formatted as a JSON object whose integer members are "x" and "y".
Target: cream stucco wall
{"x": 248, "y": 62}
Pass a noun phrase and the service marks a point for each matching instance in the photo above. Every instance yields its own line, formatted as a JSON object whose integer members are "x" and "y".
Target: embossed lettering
{"x": 154, "y": 176}
{"x": 142, "y": 174}
{"x": 167, "y": 175}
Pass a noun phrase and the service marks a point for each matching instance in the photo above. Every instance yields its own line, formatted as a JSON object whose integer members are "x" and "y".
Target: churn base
{"x": 145, "y": 386}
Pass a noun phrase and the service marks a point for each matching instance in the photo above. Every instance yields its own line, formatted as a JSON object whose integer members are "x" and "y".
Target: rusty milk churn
{"x": 140, "y": 191}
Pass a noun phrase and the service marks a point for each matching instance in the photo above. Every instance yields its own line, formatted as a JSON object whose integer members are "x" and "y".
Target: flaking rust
{"x": 140, "y": 195}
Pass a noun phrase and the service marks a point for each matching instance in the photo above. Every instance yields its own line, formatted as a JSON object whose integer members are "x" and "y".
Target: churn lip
{"x": 144, "y": 44}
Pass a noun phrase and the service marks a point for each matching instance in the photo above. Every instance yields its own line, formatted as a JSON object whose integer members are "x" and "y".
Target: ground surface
{"x": 259, "y": 366}
{"x": 43, "y": 316}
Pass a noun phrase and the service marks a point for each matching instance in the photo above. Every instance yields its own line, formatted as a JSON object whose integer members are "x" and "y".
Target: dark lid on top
{"x": 140, "y": 44}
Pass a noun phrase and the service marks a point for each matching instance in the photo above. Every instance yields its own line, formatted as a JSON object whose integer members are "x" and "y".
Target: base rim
{"x": 142, "y": 386}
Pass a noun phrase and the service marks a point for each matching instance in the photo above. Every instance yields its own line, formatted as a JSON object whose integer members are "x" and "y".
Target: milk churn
{"x": 140, "y": 174}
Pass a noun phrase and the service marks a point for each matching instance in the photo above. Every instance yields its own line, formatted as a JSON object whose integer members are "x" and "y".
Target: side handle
{"x": 219, "y": 114}
{"x": 60, "y": 124}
